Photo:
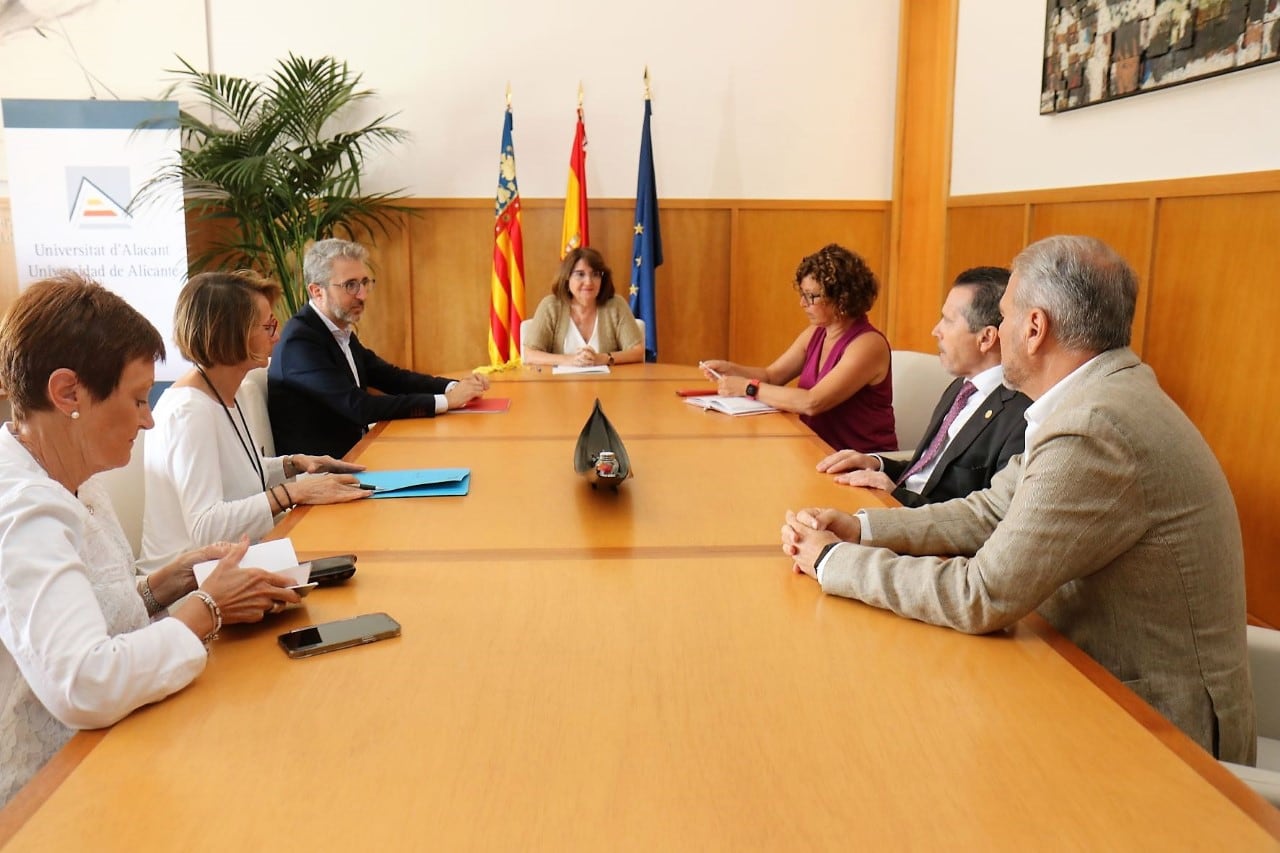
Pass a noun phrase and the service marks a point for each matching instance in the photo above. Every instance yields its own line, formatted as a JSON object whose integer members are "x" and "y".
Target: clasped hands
{"x": 587, "y": 357}
{"x": 465, "y": 390}
{"x": 807, "y": 531}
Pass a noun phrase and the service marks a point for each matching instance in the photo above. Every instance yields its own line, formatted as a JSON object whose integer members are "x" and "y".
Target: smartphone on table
{"x": 342, "y": 634}
{"x": 331, "y": 570}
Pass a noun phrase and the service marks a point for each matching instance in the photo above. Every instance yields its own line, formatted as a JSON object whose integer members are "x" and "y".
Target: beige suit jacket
{"x": 1116, "y": 525}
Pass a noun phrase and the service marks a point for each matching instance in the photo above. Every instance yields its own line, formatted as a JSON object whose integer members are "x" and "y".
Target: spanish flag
{"x": 574, "y": 233}
{"x": 506, "y": 292}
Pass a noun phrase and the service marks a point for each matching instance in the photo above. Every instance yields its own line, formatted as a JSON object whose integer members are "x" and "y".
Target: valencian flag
{"x": 646, "y": 245}
{"x": 506, "y": 296}
{"x": 574, "y": 233}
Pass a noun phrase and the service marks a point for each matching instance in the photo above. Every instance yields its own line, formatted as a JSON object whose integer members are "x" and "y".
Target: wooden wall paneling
{"x": 771, "y": 241}
{"x": 8, "y": 260}
{"x": 922, "y": 169}
{"x": 387, "y": 325}
{"x": 1123, "y": 224}
{"x": 451, "y": 260}
{"x": 1211, "y": 340}
{"x": 981, "y": 237}
{"x": 693, "y": 296}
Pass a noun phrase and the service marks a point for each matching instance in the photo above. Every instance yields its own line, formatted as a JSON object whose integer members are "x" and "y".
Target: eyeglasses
{"x": 353, "y": 285}
{"x": 271, "y": 326}
{"x": 583, "y": 275}
{"x": 810, "y": 298}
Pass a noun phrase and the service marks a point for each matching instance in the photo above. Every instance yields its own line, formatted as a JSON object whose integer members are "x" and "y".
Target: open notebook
{"x": 731, "y": 405}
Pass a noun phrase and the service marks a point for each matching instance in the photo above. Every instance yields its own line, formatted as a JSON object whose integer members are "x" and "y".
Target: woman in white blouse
{"x": 85, "y": 639}
{"x": 583, "y": 322}
{"x": 206, "y": 477}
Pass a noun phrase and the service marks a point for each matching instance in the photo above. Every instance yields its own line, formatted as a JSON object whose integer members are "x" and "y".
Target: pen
{"x": 368, "y": 487}
{"x": 714, "y": 374}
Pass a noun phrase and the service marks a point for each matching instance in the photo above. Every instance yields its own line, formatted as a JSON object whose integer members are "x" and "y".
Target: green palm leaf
{"x": 276, "y": 160}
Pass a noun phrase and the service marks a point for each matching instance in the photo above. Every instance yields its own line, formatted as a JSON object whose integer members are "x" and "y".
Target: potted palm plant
{"x": 272, "y": 169}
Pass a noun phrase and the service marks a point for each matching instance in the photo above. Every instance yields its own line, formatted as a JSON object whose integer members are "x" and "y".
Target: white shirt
{"x": 1038, "y": 412}
{"x": 343, "y": 337}
{"x": 984, "y": 383}
{"x": 201, "y": 487}
{"x": 573, "y": 338}
{"x": 78, "y": 651}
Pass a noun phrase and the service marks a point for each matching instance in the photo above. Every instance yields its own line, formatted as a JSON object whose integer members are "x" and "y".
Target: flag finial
{"x": 648, "y": 96}
{"x": 579, "y": 96}
{"x": 508, "y": 94}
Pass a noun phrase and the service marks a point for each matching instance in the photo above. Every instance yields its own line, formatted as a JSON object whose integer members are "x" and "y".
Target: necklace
{"x": 246, "y": 446}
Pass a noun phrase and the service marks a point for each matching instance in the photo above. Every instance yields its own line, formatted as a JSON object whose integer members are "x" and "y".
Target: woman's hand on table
{"x": 327, "y": 489}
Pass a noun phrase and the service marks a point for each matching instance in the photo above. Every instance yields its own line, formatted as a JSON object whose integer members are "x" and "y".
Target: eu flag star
{"x": 634, "y": 290}
{"x": 639, "y": 228}
{"x": 637, "y": 261}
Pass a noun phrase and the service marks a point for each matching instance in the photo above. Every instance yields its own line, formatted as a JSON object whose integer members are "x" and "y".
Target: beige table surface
{"x": 587, "y": 670}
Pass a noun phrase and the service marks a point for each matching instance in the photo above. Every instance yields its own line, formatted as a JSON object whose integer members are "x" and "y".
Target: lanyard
{"x": 248, "y": 448}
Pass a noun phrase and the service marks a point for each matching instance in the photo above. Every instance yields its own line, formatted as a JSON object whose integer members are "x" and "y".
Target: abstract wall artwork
{"x": 1099, "y": 50}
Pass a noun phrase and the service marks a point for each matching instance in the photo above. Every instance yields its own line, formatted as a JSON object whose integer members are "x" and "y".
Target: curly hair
{"x": 847, "y": 282}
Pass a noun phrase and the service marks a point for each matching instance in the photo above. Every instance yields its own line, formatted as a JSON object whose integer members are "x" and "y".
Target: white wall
{"x": 1223, "y": 125}
{"x": 123, "y": 47}
{"x": 750, "y": 101}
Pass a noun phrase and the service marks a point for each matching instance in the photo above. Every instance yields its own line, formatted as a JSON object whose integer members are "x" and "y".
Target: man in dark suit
{"x": 320, "y": 374}
{"x": 977, "y": 426}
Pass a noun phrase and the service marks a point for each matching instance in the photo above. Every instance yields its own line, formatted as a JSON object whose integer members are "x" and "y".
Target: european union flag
{"x": 646, "y": 246}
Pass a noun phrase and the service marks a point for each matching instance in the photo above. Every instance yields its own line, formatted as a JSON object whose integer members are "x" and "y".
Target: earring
{"x": 75, "y": 416}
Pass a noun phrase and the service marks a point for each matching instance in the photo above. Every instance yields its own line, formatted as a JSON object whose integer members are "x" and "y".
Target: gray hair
{"x": 1084, "y": 286}
{"x": 317, "y": 266}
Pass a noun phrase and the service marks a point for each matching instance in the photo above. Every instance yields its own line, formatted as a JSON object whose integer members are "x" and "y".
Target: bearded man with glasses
{"x": 320, "y": 375}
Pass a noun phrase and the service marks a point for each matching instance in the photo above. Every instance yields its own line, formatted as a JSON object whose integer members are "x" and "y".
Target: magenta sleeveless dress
{"x": 864, "y": 422}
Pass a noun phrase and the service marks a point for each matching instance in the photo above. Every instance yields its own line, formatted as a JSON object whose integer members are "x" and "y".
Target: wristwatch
{"x": 753, "y": 388}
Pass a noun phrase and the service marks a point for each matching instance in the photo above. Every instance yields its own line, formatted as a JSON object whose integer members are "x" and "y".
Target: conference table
{"x": 636, "y": 669}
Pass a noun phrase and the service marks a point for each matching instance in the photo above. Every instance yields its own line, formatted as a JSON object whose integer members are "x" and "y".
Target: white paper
{"x": 275, "y": 556}
{"x": 731, "y": 405}
{"x": 570, "y": 368}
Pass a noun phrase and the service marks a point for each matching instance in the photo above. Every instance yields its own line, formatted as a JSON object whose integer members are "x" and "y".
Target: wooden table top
{"x": 584, "y": 670}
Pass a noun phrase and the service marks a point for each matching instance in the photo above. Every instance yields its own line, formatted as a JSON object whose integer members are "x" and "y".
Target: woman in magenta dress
{"x": 845, "y": 388}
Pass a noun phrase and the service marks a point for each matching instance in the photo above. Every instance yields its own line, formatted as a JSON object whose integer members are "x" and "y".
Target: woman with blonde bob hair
{"x": 207, "y": 478}
{"x": 583, "y": 321}
{"x": 85, "y": 639}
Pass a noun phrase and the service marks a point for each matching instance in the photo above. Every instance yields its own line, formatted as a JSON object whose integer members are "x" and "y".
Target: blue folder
{"x": 418, "y": 483}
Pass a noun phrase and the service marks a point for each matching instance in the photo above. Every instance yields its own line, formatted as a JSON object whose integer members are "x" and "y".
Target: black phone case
{"x": 331, "y": 570}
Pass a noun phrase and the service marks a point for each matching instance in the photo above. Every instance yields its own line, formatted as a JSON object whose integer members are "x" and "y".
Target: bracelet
{"x": 288, "y": 497}
{"x": 148, "y": 597}
{"x": 214, "y": 611}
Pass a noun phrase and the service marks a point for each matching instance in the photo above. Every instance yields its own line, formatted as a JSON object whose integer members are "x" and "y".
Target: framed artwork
{"x": 1100, "y": 50}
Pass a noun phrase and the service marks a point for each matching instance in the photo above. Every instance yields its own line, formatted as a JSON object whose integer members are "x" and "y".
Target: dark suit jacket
{"x": 984, "y": 445}
{"x": 315, "y": 405}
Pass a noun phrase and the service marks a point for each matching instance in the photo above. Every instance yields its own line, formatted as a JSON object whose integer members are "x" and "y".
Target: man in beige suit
{"x": 1116, "y": 524}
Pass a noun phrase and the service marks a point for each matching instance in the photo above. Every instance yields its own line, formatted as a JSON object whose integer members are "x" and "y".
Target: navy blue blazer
{"x": 316, "y": 406}
{"x": 985, "y": 444}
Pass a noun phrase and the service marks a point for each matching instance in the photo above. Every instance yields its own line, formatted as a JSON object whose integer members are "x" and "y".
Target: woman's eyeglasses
{"x": 271, "y": 326}
{"x": 809, "y": 298}
{"x": 353, "y": 285}
{"x": 583, "y": 275}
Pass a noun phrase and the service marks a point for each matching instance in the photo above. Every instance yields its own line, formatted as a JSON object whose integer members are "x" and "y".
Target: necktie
{"x": 940, "y": 437}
